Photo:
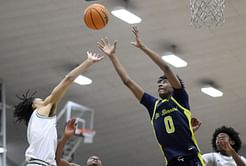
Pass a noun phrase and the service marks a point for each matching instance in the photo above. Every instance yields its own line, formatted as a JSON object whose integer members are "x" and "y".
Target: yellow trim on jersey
{"x": 185, "y": 109}
{"x": 153, "y": 115}
{"x": 188, "y": 116}
{"x": 152, "y": 124}
{"x": 157, "y": 101}
{"x": 201, "y": 160}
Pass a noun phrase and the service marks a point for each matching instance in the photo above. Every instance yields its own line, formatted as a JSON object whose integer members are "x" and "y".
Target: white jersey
{"x": 42, "y": 138}
{"x": 217, "y": 159}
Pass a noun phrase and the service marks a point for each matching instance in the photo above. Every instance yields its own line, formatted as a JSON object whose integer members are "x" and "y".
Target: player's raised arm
{"x": 59, "y": 91}
{"x": 110, "y": 51}
{"x": 68, "y": 133}
{"x": 171, "y": 76}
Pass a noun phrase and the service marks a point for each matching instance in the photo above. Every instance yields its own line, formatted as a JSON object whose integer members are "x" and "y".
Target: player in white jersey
{"x": 39, "y": 116}
{"x": 226, "y": 143}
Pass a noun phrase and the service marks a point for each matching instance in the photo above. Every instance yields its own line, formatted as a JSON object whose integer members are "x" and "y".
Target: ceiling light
{"x": 82, "y": 80}
{"x": 1, "y": 150}
{"x": 174, "y": 60}
{"x": 211, "y": 91}
{"x": 126, "y": 16}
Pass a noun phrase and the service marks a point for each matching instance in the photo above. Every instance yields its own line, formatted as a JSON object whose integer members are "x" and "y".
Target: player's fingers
{"x": 88, "y": 53}
{"x": 100, "y": 45}
{"x": 115, "y": 43}
{"x": 103, "y": 41}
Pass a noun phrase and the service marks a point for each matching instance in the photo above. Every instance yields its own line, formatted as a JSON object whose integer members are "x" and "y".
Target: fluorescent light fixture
{"x": 1, "y": 150}
{"x": 126, "y": 16}
{"x": 211, "y": 91}
{"x": 174, "y": 60}
{"x": 82, "y": 80}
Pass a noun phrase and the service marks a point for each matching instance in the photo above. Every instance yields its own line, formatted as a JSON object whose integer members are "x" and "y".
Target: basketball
{"x": 96, "y": 16}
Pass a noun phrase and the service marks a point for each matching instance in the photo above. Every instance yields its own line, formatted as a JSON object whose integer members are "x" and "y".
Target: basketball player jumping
{"x": 170, "y": 115}
{"x": 39, "y": 116}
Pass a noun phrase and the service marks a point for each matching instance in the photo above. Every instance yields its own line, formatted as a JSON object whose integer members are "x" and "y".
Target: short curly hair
{"x": 233, "y": 134}
{"x": 163, "y": 77}
{"x": 23, "y": 110}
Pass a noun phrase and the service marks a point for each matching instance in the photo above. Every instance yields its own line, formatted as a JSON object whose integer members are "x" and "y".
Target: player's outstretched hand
{"x": 106, "y": 47}
{"x": 70, "y": 128}
{"x": 138, "y": 42}
{"x": 94, "y": 57}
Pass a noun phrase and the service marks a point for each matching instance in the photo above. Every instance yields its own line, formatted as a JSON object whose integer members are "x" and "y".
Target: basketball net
{"x": 86, "y": 133}
{"x": 207, "y": 12}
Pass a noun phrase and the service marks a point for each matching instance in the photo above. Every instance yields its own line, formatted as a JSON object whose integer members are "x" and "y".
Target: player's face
{"x": 164, "y": 88}
{"x": 94, "y": 161}
{"x": 221, "y": 139}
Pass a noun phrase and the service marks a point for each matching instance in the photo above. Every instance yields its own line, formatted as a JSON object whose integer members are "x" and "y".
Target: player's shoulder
{"x": 47, "y": 110}
{"x": 149, "y": 96}
{"x": 243, "y": 158}
{"x": 210, "y": 154}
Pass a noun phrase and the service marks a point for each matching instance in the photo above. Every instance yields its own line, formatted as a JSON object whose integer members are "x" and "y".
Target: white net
{"x": 207, "y": 12}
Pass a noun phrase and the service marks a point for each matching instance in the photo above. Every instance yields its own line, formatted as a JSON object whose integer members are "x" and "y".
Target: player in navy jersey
{"x": 170, "y": 115}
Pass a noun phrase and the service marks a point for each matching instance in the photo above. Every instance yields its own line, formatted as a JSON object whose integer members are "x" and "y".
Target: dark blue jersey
{"x": 171, "y": 119}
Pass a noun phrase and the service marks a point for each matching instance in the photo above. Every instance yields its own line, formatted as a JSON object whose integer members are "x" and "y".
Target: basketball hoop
{"x": 86, "y": 133}
{"x": 207, "y": 12}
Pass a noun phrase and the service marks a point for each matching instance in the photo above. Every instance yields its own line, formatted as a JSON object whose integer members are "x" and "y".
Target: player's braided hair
{"x": 24, "y": 109}
{"x": 233, "y": 134}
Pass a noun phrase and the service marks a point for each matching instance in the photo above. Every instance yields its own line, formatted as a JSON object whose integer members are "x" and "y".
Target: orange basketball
{"x": 96, "y": 16}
